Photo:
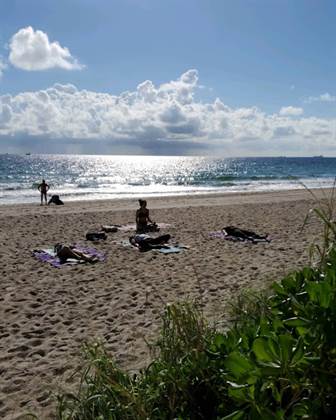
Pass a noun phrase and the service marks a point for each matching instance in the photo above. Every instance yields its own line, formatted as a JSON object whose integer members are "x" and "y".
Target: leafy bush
{"x": 282, "y": 364}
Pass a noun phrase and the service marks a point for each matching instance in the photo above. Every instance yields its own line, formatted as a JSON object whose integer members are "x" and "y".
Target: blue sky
{"x": 263, "y": 54}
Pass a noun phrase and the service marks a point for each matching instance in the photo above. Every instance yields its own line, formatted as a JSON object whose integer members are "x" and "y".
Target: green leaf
{"x": 219, "y": 340}
{"x": 300, "y": 410}
{"x": 279, "y": 415}
{"x": 236, "y": 415}
{"x": 277, "y": 324}
{"x": 274, "y": 347}
{"x": 313, "y": 359}
{"x": 289, "y": 283}
{"x": 286, "y": 347}
{"x": 275, "y": 365}
{"x": 239, "y": 394}
{"x": 275, "y": 392}
{"x": 296, "y": 304}
{"x": 297, "y": 322}
{"x": 302, "y": 331}
{"x": 237, "y": 364}
{"x": 298, "y": 353}
{"x": 320, "y": 292}
{"x": 279, "y": 289}
{"x": 235, "y": 385}
{"x": 264, "y": 326}
{"x": 251, "y": 391}
{"x": 262, "y": 350}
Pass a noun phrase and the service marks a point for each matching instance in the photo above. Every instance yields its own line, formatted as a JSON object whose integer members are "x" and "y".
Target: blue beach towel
{"x": 170, "y": 249}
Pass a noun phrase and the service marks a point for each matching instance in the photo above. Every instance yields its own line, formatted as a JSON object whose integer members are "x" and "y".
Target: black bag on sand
{"x": 96, "y": 236}
{"x": 56, "y": 200}
{"x": 153, "y": 227}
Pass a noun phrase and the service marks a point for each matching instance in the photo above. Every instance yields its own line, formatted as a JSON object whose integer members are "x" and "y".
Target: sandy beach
{"x": 47, "y": 313}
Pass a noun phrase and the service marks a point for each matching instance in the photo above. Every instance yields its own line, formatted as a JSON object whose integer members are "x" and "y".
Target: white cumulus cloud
{"x": 291, "y": 111}
{"x": 324, "y": 97}
{"x": 151, "y": 116}
{"x": 31, "y": 50}
{"x": 3, "y": 66}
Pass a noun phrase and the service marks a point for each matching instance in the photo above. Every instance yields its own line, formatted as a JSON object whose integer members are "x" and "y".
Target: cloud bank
{"x": 152, "y": 119}
{"x": 31, "y": 50}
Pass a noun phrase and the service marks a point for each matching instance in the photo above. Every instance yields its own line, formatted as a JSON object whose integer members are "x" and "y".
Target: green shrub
{"x": 282, "y": 364}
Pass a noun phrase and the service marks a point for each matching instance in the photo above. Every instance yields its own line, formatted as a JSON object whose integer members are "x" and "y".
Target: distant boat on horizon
{"x": 318, "y": 157}
{"x": 28, "y": 154}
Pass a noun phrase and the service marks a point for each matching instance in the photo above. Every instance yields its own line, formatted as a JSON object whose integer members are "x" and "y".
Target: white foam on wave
{"x": 117, "y": 191}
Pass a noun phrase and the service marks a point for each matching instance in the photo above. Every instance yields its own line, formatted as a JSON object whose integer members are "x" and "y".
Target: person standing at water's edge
{"x": 43, "y": 188}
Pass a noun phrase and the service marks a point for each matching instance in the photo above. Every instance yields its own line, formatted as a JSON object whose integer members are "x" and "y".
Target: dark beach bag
{"x": 96, "y": 236}
{"x": 58, "y": 201}
{"x": 55, "y": 200}
{"x": 152, "y": 227}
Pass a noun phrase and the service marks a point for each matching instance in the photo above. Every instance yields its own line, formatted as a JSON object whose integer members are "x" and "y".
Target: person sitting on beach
{"x": 56, "y": 200}
{"x": 142, "y": 218}
{"x": 146, "y": 243}
{"x": 64, "y": 252}
{"x": 43, "y": 188}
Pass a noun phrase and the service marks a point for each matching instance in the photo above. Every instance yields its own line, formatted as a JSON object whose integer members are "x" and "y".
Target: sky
{"x": 228, "y": 77}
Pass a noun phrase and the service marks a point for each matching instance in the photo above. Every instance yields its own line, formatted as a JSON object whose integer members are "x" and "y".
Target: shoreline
{"x": 46, "y": 313}
{"x": 230, "y": 198}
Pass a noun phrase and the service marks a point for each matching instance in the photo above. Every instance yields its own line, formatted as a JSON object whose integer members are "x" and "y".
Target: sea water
{"x": 82, "y": 177}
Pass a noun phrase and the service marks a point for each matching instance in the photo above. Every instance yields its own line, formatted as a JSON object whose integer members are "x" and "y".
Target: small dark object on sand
{"x": 110, "y": 228}
{"x": 245, "y": 235}
{"x": 96, "y": 236}
{"x": 56, "y": 200}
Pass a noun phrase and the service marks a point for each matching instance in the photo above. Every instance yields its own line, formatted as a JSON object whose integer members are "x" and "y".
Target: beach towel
{"x": 132, "y": 226}
{"x": 164, "y": 249}
{"x": 171, "y": 249}
{"x": 232, "y": 233}
{"x": 48, "y": 255}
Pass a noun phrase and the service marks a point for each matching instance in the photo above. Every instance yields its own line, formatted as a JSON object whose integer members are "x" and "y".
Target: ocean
{"x": 82, "y": 177}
